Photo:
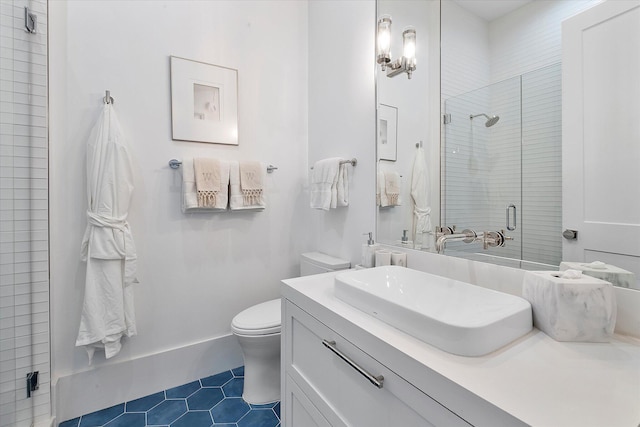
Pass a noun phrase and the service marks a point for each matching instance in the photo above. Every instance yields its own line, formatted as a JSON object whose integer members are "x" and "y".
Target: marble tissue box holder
{"x": 569, "y": 306}
{"x": 616, "y": 275}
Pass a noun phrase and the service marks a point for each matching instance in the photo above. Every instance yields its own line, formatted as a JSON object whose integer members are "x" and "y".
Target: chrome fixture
{"x": 108, "y": 99}
{"x": 515, "y": 220}
{"x": 353, "y": 162}
{"x": 490, "y": 120}
{"x": 494, "y": 238}
{"x": 488, "y": 238}
{"x": 30, "y": 21}
{"x": 448, "y": 234}
{"x": 405, "y": 64}
{"x": 175, "y": 164}
{"x": 376, "y": 380}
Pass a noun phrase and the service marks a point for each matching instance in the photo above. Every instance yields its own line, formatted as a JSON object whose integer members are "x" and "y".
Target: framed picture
{"x": 387, "y": 132}
{"x": 204, "y": 102}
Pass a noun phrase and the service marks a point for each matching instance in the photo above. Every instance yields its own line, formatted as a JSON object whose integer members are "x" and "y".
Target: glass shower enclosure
{"x": 501, "y": 168}
{"x": 24, "y": 227}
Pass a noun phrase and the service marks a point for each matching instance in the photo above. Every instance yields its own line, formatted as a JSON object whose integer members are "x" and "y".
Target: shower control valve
{"x": 495, "y": 238}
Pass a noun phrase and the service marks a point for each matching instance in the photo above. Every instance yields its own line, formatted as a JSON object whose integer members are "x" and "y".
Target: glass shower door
{"x": 507, "y": 175}
{"x": 24, "y": 260}
{"x": 481, "y": 167}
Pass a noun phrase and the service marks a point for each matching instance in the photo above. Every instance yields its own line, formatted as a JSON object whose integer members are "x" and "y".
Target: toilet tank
{"x": 317, "y": 262}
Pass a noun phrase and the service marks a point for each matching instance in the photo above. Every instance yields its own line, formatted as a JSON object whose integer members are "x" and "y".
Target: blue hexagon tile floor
{"x": 211, "y": 401}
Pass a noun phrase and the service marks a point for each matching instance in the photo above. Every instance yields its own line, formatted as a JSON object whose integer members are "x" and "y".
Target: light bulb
{"x": 409, "y": 44}
{"x": 384, "y": 40}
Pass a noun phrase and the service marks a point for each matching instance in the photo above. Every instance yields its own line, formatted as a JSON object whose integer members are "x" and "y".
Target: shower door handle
{"x": 515, "y": 224}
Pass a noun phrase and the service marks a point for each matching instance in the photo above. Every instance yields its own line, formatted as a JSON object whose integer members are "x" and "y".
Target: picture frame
{"x": 204, "y": 102}
{"x": 387, "y": 132}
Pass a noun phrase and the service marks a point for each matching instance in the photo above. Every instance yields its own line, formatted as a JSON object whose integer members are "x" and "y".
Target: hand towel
{"x": 236, "y": 197}
{"x": 207, "y": 173}
{"x": 190, "y": 194}
{"x": 324, "y": 178}
{"x": 381, "y": 193}
{"x": 343, "y": 186}
{"x": 251, "y": 182}
{"x": 392, "y": 185}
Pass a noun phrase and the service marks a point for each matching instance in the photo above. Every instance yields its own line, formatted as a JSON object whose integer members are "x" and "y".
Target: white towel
{"x": 190, "y": 194}
{"x": 236, "y": 199}
{"x": 381, "y": 192}
{"x": 388, "y": 189}
{"x": 324, "y": 178}
{"x": 343, "y": 186}
{"x": 251, "y": 182}
{"x": 421, "y": 198}
{"x": 392, "y": 186}
{"x": 207, "y": 171}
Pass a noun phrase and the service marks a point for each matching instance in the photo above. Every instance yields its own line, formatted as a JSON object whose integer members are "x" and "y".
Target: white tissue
{"x": 571, "y": 274}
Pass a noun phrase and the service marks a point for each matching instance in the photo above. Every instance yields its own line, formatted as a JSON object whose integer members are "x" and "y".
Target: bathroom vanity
{"x": 343, "y": 367}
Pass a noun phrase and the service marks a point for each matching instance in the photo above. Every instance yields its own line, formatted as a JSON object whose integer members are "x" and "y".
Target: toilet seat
{"x": 261, "y": 319}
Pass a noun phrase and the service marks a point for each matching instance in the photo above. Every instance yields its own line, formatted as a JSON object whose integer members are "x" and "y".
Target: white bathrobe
{"x": 421, "y": 200}
{"x": 107, "y": 246}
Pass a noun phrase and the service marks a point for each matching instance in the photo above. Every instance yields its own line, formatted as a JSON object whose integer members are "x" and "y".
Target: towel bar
{"x": 175, "y": 164}
{"x": 353, "y": 162}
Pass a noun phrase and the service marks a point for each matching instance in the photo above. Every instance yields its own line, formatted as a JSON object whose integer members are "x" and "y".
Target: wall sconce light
{"x": 405, "y": 64}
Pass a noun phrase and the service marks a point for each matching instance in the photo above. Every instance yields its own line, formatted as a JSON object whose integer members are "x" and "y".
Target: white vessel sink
{"x": 454, "y": 316}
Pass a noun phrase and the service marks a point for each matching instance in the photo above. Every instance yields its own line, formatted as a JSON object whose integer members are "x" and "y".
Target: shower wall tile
{"x": 24, "y": 281}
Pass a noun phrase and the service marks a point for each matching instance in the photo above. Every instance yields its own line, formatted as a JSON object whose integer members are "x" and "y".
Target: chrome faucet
{"x": 448, "y": 234}
{"x": 488, "y": 238}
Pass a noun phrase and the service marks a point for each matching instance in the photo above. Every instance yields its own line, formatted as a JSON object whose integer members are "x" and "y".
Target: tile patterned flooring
{"x": 212, "y": 401}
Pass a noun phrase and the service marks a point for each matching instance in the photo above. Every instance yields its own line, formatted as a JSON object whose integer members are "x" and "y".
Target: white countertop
{"x": 535, "y": 379}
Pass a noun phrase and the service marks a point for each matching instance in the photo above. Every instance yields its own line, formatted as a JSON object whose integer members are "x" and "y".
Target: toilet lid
{"x": 261, "y": 319}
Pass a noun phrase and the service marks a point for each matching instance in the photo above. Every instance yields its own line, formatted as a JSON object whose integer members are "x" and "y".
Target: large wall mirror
{"x": 487, "y": 153}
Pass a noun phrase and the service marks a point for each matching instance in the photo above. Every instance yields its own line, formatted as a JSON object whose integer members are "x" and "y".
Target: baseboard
{"x": 47, "y": 423}
{"x": 88, "y": 391}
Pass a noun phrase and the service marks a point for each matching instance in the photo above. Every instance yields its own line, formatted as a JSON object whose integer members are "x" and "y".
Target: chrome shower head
{"x": 490, "y": 120}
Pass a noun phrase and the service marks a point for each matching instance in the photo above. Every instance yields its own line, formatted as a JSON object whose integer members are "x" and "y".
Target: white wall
{"x": 342, "y": 116}
{"x": 196, "y": 271}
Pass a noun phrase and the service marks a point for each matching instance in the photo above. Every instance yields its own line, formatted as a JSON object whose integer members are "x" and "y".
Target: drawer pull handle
{"x": 375, "y": 380}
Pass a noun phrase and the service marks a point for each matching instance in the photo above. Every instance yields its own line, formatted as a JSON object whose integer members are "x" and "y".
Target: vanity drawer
{"x": 339, "y": 378}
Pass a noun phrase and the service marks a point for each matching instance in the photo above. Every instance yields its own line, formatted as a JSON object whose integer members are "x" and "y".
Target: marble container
{"x": 578, "y": 309}
{"x": 616, "y": 275}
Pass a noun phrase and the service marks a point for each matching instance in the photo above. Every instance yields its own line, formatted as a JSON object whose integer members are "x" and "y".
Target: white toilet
{"x": 258, "y": 331}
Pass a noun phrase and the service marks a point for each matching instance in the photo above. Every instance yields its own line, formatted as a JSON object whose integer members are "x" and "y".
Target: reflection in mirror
{"x": 500, "y": 151}
{"x": 406, "y": 158}
{"x": 504, "y": 171}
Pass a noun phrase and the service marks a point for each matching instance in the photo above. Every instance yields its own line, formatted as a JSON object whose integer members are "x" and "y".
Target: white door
{"x": 601, "y": 134}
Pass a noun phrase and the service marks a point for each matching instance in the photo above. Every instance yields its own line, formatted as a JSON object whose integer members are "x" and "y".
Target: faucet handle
{"x": 471, "y": 235}
{"x": 505, "y": 237}
{"x": 445, "y": 230}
